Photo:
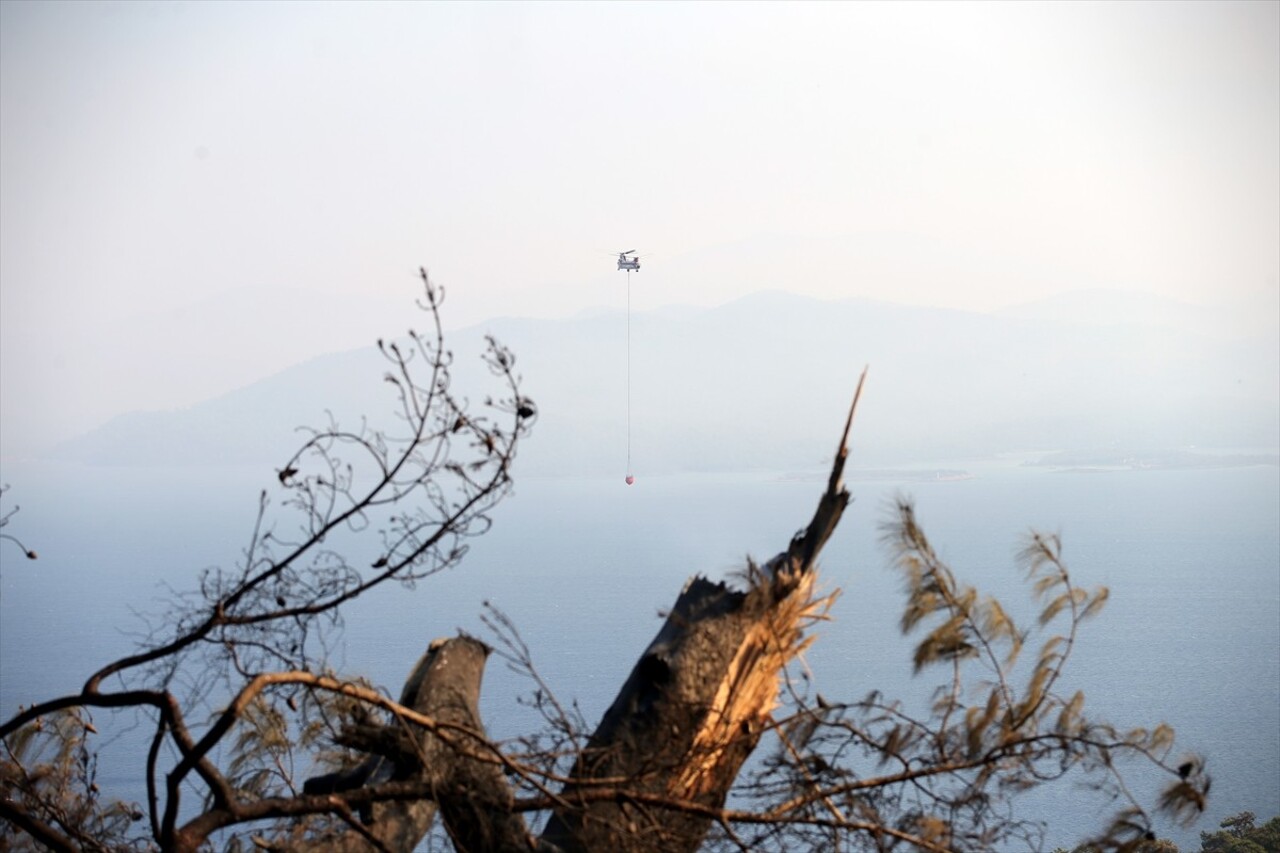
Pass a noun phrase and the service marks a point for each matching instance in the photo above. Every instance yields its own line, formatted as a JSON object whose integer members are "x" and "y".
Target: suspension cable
{"x": 628, "y": 373}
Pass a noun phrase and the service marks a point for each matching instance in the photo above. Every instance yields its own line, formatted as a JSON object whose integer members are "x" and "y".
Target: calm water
{"x": 1191, "y": 634}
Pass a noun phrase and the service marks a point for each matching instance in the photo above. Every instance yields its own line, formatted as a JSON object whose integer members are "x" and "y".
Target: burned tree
{"x": 710, "y": 743}
{"x": 700, "y": 697}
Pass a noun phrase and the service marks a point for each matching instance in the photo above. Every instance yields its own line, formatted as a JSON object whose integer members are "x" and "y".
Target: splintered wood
{"x": 748, "y": 692}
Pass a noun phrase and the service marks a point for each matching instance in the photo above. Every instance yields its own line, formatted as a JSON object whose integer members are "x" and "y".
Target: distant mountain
{"x": 177, "y": 355}
{"x": 764, "y": 382}
{"x": 1132, "y": 308}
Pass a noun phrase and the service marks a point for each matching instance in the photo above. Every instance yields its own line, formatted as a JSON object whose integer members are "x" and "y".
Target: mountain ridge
{"x": 758, "y": 381}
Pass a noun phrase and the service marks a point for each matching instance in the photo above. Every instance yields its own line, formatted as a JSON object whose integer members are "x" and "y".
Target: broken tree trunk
{"x": 696, "y": 703}
{"x": 468, "y": 788}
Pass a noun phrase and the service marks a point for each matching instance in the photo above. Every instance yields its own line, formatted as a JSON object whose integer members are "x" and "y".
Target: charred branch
{"x": 695, "y": 705}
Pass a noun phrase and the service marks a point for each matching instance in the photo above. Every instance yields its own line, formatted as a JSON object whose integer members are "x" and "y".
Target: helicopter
{"x": 628, "y": 263}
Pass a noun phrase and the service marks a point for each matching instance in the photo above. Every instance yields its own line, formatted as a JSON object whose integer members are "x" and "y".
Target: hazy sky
{"x": 193, "y": 195}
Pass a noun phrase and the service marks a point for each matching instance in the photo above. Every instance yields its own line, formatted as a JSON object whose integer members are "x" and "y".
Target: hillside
{"x": 763, "y": 382}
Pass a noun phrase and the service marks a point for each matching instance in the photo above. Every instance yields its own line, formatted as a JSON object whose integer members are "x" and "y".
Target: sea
{"x": 584, "y": 566}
